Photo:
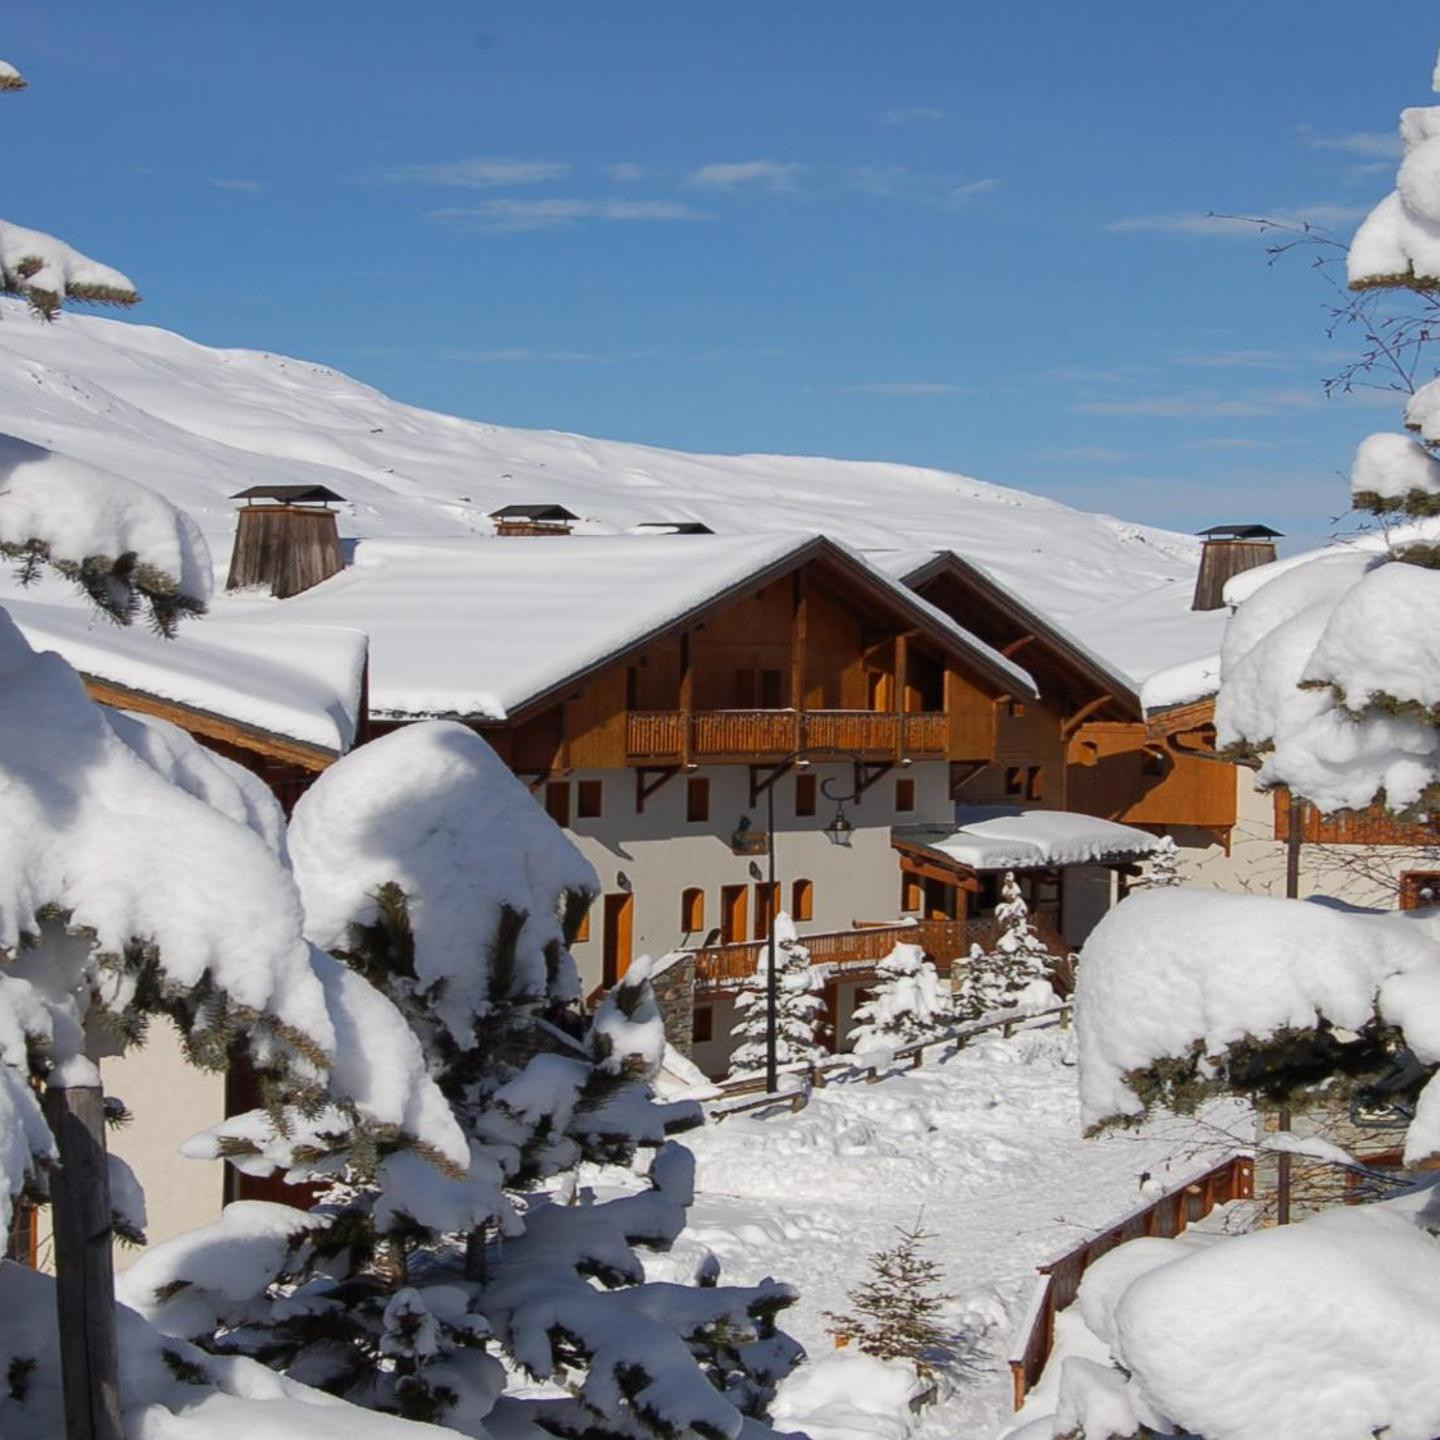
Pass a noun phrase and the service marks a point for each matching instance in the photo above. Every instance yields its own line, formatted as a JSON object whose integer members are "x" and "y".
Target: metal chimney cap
{"x": 289, "y": 494}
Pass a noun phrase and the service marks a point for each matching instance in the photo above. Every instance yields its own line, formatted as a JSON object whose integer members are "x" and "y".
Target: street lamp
{"x": 839, "y": 832}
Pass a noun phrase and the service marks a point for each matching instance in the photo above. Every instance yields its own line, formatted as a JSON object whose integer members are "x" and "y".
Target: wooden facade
{"x": 1372, "y": 826}
{"x": 287, "y": 548}
{"x": 805, "y": 660}
{"x": 1083, "y": 745}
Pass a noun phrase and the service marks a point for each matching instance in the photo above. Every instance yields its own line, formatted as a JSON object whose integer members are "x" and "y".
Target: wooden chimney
{"x": 286, "y": 538}
{"x": 1230, "y": 549}
{"x": 533, "y": 520}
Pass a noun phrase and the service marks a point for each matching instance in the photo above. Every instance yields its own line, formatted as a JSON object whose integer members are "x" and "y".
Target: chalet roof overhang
{"x": 1081, "y": 665}
{"x": 995, "y": 838}
{"x": 209, "y": 725}
{"x": 999, "y": 677}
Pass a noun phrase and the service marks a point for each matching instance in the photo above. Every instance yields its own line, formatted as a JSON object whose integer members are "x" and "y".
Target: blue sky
{"x": 967, "y": 233}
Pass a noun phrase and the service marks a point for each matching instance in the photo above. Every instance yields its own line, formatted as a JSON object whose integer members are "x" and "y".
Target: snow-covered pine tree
{"x": 896, "y": 1311}
{"x": 907, "y": 1002}
{"x": 427, "y": 866}
{"x": 797, "y": 1006}
{"x": 1014, "y": 972}
{"x": 1162, "y": 872}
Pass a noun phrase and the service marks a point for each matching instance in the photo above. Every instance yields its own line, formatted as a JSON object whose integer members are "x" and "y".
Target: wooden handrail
{"x": 1058, "y": 1282}
{"x": 740, "y": 734}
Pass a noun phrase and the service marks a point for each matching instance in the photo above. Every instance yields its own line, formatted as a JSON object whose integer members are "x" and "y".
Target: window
{"x": 697, "y": 799}
{"x": 904, "y": 795}
{"x": 744, "y": 690}
{"x": 582, "y": 931}
{"x": 692, "y": 910}
{"x": 589, "y": 799}
{"x": 1034, "y": 783}
{"x": 1015, "y": 709}
{"x": 557, "y": 802}
{"x": 805, "y": 791}
{"x": 909, "y": 892}
{"x": 772, "y": 687}
{"x": 702, "y": 1025}
{"x": 802, "y": 900}
{"x": 1014, "y": 780}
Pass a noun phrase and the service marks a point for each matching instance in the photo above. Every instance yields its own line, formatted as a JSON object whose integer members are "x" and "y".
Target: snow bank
{"x": 848, "y": 1397}
{"x": 431, "y": 808}
{"x": 1170, "y": 971}
{"x": 1323, "y": 1328}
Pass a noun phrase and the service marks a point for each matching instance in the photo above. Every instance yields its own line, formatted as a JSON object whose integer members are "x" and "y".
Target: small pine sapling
{"x": 1015, "y": 972}
{"x": 896, "y": 1312}
{"x": 797, "y": 1006}
{"x": 1163, "y": 871}
{"x": 907, "y": 1002}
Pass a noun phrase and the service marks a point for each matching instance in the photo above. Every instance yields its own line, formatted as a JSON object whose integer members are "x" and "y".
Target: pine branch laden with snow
{"x": 46, "y": 272}
{"x": 10, "y": 77}
{"x": 798, "y": 1006}
{"x": 1393, "y": 474}
{"x": 1187, "y": 994}
{"x": 431, "y": 871}
{"x": 127, "y": 549}
{"x": 1162, "y": 872}
{"x": 907, "y": 1002}
{"x": 1015, "y": 974}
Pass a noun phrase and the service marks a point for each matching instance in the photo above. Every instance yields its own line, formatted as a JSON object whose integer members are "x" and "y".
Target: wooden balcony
{"x": 855, "y": 953}
{"x": 658, "y": 736}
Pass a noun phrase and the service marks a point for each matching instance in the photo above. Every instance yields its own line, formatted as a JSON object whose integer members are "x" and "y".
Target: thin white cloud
{"x": 522, "y": 356}
{"x": 902, "y": 387}
{"x": 513, "y": 216}
{"x": 1234, "y": 360}
{"x": 1195, "y": 222}
{"x": 475, "y": 173}
{"x": 960, "y": 196}
{"x": 779, "y": 177}
{"x": 242, "y": 187}
{"x": 913, "y": 114}
{"x": 628, "y": 173}
{"x": 1369, "y": 144}
{"x": 1204, "y": 405}
{"x": 1067, "y": 453}
{"x": 1227, "y": 442}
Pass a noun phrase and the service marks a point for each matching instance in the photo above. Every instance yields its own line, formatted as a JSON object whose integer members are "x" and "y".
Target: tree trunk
{"x": 84, "y": 1264}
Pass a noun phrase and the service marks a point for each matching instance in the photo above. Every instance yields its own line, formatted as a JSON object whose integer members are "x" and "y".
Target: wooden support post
{"x": 799, "y": 641}
{"x": 84, "y": 1264}
{"x": 687, "y": 701}
{"x": 1284, "y": 1168}
{"x": 902, "y": 680}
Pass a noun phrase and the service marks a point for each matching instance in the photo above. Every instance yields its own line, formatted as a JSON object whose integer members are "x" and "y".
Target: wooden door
{"x": 767, "y": 902}
{"x": 734, "y": 911}
{"x": 619, "y": 930}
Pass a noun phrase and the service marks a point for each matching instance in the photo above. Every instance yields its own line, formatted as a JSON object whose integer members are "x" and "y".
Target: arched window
{"x": 692, "y": 910}
{"x": 802, "y": 900}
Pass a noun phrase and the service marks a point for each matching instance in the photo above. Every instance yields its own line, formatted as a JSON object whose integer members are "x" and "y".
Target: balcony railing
{"x": 853, "y": 952}
{"x": 718, "y": 735}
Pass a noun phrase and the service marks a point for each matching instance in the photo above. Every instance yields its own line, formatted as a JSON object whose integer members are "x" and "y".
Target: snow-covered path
{"x": 986, "y": 1145}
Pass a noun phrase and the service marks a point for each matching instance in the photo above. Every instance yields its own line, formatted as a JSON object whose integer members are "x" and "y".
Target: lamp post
{"x": 838, "y": 832}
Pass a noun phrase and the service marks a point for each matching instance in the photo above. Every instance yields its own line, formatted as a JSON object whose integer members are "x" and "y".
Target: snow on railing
{"x": 872, "y": 1065}
{"x": 1058, "y": 1281}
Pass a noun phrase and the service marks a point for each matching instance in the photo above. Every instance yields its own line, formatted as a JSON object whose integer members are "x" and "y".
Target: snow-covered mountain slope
{"x": 199, "y": 424}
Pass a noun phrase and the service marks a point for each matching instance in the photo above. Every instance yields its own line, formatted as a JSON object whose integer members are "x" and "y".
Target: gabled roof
{"x": 289, "y": 494}
{"x": 492, "y": 629}
{"x": 917, "y": 568}
{"x": 296, "y": 685}
{"x": 554, "y": 513}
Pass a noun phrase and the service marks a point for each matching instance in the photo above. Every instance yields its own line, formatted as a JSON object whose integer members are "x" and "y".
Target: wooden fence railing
{"x": 659, "y": 735}
{"x": 1057, "y": 1283}
{"x": 720, "y": 967}
{"x": 738, "y": 1096}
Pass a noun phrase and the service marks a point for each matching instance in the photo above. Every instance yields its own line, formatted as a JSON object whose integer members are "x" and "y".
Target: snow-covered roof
{"x": 297, "y": 681}
{"x": 913, "y": 567}
{"x": 485, "y": 628}
{"x": 1145, "y": 633}
{"x": 1006, "y": 837}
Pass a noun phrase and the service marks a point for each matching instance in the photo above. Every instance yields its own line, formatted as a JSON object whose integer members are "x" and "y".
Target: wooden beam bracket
{"x": 762, "y": 777}
{"x": 649, "y": 779}
{"x": 866, "y": 775}
{"x": 1073, "y": 722}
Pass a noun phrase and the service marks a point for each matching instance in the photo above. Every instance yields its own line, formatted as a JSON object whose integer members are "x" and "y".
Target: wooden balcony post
{"x": 687, "y": 701}
{"x": 799, "y": 639}
{"x": 902, "y": 666}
